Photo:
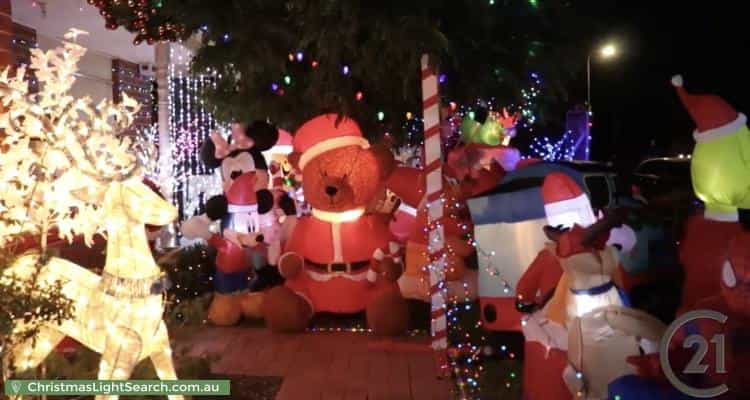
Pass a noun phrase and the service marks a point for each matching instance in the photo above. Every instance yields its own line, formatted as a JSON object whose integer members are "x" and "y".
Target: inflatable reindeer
{"x": 602, "y": 330}
{"x": 119, "y": 313}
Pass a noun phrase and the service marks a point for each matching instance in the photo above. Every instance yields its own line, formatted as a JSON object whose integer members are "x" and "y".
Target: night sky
{"x": 633, "y": 100}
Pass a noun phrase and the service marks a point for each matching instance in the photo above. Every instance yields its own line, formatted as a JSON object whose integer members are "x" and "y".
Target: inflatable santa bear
{"x": 409, "y": 225}
{"x": 338, "y": 259}
{"x": 720, "y": 169}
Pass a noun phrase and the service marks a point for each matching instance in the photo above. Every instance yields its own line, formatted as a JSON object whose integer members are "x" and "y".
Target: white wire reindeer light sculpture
{"x": 86, "y": 181}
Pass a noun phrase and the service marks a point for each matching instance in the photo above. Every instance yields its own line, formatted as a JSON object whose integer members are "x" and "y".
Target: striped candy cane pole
{"x": 434, "y": 176}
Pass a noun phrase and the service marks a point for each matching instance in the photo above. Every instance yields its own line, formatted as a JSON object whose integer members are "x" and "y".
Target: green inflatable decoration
{"x": 720, "y": 169}
{"x": 469, "y": 129}
{"x": 490, "y": 132}
{"x": 720, "y": 165}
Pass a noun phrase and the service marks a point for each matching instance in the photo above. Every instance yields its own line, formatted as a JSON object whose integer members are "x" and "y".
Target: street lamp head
{"x": 608, "y": 50}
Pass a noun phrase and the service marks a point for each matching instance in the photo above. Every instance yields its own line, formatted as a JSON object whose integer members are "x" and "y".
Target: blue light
{"x": 345, "y": 70}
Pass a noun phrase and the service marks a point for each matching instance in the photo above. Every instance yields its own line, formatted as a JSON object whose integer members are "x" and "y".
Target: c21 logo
{"x": 696, "y": 364}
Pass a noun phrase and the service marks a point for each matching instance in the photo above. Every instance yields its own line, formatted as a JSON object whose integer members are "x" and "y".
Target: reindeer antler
{"x": 612, "y": 218}
{"x": 578, "y": 239}
{"x": 508, "y": 121}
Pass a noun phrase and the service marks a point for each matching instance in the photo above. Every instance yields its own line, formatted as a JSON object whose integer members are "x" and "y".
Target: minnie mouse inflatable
{"x": 244, "y": 176}
{"x": 242, "y": 153}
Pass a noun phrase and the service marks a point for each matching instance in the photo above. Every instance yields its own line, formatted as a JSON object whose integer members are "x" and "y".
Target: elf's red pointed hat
{"x": 559, "y": 187}
{"x": 323, "y": 133}
{"x": 565, "y": 203}
{"x": 713, "y": 116}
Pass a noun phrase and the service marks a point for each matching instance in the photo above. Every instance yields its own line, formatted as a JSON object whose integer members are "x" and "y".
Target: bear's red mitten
{"x": 390, "y": 266}
{"x": 290, "y": 264}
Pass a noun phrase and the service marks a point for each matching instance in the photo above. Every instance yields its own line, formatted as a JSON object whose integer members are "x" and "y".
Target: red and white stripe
{"x": 433, "y": 175}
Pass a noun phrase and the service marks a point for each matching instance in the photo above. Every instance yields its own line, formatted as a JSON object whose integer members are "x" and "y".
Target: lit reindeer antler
{"x": 508, "y": 121}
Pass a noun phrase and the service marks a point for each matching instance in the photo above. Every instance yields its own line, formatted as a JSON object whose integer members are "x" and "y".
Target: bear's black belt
{"x": 333, "y": 268}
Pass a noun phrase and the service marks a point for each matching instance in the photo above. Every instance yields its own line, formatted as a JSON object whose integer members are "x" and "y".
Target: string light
{"x": 464, "y": 354}
{"x": 189, "y": 125}
{"x": 89, "y": 181}
{"x": 564, "y": 149}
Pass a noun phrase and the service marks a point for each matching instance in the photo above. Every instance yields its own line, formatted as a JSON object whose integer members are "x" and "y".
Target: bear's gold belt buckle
{"x": 339, "y": 268}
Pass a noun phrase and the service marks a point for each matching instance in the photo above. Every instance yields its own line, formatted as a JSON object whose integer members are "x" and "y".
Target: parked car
{"x": 656, "y": 178}
{"x": 508, "y": 230}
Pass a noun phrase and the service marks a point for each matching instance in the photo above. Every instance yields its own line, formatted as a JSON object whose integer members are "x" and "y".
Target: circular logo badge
{"x": 700, "y": 345}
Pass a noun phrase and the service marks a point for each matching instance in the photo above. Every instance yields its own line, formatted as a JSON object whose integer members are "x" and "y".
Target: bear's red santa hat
{"x": 323, "y": 133}
{"x": 565, "y": 203}
{"x": 713, "y": 116}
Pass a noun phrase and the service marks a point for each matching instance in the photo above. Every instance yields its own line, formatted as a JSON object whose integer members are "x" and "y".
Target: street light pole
{"x": 588, "y": 82}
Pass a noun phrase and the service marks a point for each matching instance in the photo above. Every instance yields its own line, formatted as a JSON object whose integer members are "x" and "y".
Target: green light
{"x": 533, "y": 3}
{"x": 381, "y": 115}
{"x": 471, "y": 114}
{"x": 288, "y": 80}
{"x": 617, "y": 397}
{"x": 512, "y": 374}
{"x": 492, "y": 2}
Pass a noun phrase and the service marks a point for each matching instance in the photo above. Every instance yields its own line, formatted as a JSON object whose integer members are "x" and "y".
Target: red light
{"x": 314, "y": 64}
{"x": 635, "y": 189}
{"x": 281, "y": 92}
{"x": 359, "y": 96}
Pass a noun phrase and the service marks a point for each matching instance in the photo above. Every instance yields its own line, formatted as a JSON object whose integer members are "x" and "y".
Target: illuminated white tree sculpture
{"x": 63, "y": 165}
